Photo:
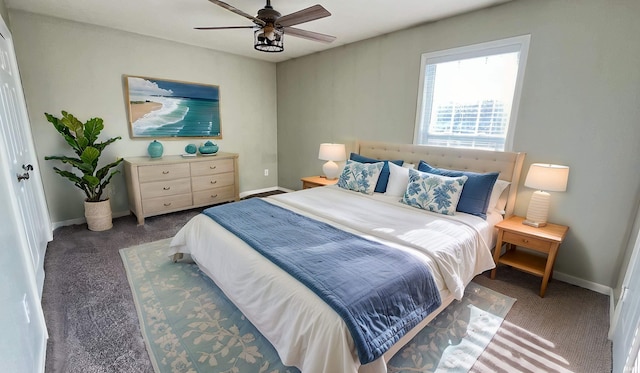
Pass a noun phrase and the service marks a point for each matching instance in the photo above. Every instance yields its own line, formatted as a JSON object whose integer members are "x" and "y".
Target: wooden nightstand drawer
{"x": 525, "y": 241}
{"x": 165, "y": 188}
{"x": 212, "y": 167}
{"x": 213, "y": 181}
{"x": 163, "y": 172}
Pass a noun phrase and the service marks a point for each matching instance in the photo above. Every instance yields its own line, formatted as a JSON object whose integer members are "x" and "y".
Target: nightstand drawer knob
{"x": 525, "y": 240}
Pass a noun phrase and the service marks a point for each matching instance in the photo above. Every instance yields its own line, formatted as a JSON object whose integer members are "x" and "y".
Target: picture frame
{"x": 170, "y": 109}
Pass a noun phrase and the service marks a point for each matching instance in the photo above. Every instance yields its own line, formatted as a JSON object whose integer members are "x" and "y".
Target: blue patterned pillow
{"x": 360, "y": 177}
{"x": 476, "y": 194}
{"x": 433, "y": 193}
{"x": 381, "y": 185}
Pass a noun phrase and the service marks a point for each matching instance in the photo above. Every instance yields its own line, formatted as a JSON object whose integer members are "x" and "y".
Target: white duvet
{"x": 304, "y": 330}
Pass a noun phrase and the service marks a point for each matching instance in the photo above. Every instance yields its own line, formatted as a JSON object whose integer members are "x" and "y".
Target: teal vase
{"x": 155, "y": 149}
{"x": 191, "y": 149}
{"x": 208, "y": 148}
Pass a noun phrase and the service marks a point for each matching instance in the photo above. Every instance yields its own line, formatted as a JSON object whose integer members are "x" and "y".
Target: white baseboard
{"x": 64, "y": 223}
{"x": 598, "y": 288}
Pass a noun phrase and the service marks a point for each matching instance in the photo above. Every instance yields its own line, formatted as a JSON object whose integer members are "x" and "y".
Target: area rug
{"x": 189, "y": 325}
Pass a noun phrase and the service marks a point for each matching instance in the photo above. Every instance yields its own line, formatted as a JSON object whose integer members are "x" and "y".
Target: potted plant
{"x": 83, "y": 139}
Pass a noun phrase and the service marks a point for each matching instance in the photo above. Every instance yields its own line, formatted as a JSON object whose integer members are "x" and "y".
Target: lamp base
{"x": 534, "y": 224}
{"x": 538, "y": 209}
{"x": 331, "y": 170}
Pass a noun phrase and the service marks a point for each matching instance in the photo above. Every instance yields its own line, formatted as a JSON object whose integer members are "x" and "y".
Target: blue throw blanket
{"x": 380, "y": 292}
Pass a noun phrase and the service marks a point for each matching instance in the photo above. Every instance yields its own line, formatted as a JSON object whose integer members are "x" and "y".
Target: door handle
{"x": 25, "y": 176}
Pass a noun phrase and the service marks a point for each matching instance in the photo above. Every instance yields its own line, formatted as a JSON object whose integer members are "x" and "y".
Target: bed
{"x": 305, "y": 331}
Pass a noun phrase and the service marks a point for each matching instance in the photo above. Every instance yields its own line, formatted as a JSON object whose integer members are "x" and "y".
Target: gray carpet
{"x": 93, "y": 325}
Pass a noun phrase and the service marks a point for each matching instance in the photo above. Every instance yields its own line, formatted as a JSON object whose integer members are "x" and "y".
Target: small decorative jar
{"x": 190, "y": 149}
{"x": 208, "y": 148}
{"x": 155, "y": 149}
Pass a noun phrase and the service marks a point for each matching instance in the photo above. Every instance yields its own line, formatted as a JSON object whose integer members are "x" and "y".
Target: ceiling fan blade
{"x": 222, "y": 27}
{"x": 310, "y": 35}
{"x": 304, "y": 15}
{"x": 238, "y": 11}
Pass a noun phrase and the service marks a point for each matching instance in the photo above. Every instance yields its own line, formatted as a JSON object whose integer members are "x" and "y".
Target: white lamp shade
{"x": 332, "y": 152}
{"x": 547, "y": 177}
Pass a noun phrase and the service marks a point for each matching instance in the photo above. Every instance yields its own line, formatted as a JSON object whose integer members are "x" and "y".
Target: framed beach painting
{"x": 161, "y": 108}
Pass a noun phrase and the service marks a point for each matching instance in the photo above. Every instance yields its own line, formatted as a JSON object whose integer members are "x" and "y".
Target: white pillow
{"x": 494, "y": 200}
{"x": 398, "y": 180}
{"x": 434, "y": 193}
{"x": 408, "y": 165}
{"x": 360, "y": 177}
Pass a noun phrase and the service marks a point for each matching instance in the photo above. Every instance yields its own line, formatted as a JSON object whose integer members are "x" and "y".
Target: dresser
{"x": 173, "y": 183}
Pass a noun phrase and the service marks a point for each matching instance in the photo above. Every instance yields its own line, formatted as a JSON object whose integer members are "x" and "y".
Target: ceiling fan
{"x": 270, "y": 26}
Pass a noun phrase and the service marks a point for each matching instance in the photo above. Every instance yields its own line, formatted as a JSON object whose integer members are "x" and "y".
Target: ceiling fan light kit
{"x": 269, "y": 39}
{"x": 270, "y": 26}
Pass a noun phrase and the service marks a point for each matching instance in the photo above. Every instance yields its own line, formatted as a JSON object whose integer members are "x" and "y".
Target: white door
{"x": 25, "y": 227}
{"x": 18, "y": 142}
{"x": 626, "y": 330}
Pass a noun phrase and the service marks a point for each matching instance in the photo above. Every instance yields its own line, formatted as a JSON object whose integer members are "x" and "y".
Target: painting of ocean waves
{"x": 162, "y": 108}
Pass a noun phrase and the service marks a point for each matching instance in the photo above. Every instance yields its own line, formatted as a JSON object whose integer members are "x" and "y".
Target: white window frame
{"x": 513, "y": 44}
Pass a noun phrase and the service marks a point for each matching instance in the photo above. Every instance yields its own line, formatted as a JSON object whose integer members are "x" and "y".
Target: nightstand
{"x": 544, "y": 240}
{"x": 316, "y": 181}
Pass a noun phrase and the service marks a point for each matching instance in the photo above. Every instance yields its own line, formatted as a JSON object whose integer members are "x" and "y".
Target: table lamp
{"x": 546, "y": 178}
{"x": 331, "y": 153}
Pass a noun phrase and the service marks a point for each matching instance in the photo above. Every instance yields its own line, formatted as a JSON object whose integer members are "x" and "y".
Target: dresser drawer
{"x": 169, "y": 203}
{"x": 163, "y": 172}
{"x": 528, "y": 242}
{"x": 165, "y": 188}
{"x": 213, "y": 196}
{"x": 211, "y": 167}
{"x": 212, "y": 181}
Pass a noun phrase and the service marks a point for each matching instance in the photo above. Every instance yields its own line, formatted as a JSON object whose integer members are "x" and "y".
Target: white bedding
{"x": 304, "y": 330}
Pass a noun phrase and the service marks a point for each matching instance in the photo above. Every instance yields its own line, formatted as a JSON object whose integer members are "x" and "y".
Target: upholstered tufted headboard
{"x": 509, "y": 164}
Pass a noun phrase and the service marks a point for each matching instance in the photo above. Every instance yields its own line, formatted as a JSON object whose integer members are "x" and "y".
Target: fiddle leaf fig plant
{"x": 83, "y": 139}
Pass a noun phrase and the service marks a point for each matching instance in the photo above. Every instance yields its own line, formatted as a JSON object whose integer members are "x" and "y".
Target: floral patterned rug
{"x": 189, "y": 325}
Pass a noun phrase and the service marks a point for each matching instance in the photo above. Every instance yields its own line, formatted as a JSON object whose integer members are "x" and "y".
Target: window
{"x": 469, "y": 96}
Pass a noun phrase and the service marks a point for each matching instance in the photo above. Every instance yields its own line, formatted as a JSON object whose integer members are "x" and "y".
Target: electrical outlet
{"x": 266, "y": 172}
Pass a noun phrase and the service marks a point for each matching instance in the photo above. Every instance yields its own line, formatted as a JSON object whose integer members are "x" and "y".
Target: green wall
{"x": 579, "y": 107}
{"x": 79, "y": 67}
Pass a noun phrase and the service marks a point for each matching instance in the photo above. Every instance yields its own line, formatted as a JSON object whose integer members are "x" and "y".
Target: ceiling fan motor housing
{"x": 268, "y": 15}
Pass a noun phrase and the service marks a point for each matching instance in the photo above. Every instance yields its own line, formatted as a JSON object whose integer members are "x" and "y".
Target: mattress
{"x": 304, "y": 330}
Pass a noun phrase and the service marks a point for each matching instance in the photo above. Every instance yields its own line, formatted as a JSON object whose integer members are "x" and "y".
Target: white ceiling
{"x": 351, "y": 20}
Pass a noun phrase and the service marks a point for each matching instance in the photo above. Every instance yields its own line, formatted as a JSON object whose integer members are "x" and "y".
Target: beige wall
{"x": 579, "y": 108}
{"x": 78, "y": 68}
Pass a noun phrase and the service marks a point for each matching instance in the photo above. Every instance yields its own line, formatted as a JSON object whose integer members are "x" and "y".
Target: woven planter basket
{"x": 98, "y": 215}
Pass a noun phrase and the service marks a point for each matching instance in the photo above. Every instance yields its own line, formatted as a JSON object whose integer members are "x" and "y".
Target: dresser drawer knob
{"x": 212, "y": 167}
{"x": 525, "y": 240}
{"x": 167, "y": 204}
{"x": 165, "y": 172}
{"x": 213, "y": 181}
{"x": 166, "y": 188}
{"x": 214, "y": 196}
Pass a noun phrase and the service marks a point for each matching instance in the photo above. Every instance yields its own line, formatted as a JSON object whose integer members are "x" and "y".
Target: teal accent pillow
{"x": 433, "y": 193}
{"x": 360, "y": 177}
{"x": 383, "y": 180}
{"x": 477, "y": 190}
